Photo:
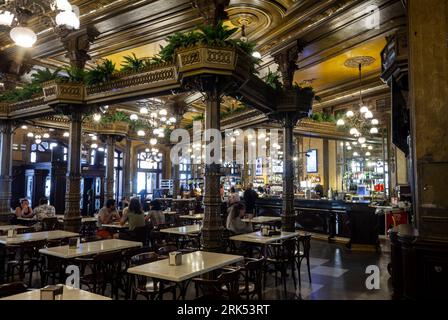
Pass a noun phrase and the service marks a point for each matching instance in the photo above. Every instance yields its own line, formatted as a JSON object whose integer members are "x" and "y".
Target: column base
{"x": 72, "y": 224}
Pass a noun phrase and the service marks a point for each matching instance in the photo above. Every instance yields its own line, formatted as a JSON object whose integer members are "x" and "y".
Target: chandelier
{"x": 37, "y": 133}
{"x": 360, "y": 123}
{"x": 151, "y": 155}
{"x": 152, "y": 120}
{"x": 15, "y": 14}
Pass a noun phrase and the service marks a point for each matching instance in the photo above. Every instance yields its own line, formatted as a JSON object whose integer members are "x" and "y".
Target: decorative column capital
{"x": 287, "y": 62}
{"x": 77, "y": 44}
{"x": 212, "y": 10}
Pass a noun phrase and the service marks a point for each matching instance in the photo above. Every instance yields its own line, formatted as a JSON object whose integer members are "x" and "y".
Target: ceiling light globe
{"x": 141, "y": 133}
{"x": 256, "y": 55}
{"x": 163, "y": 112}
{"x": 362, "y": 140}
{"x": 368, "y": 115}
{"x": 364, "y": 109}
{"x": 133, "y": 117}
{"x": 68, "y": 19}
{"x": 374, "y": 130}
{"x": 23, "y": 37}
{"x": 375, "y": 122}
{"x": 172, "y": 120}
{"x": 30, "y": 134}
{"x": 46, "y": 135}
{"x": 153, "y": 141}
{"x": 144, "y": 110}
{"x": 340, "y": 122}
{"x": 94, "y": 146}
{"x": 97, "y": 117}
{"x": 350, "y": 114}
{"x": 370, "y": 147}
{"x": 353, "y": 131}
{"x": 66, "y": 134}
{"x": 6, "y": 18}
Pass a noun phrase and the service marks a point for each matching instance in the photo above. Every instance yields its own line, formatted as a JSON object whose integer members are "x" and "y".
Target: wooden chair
{"x": 50, "y": 267}
{"x": 49, "y": 223}
{"x": 303, "y": 247}
{"x": 151, "y": 289}
{"x": 126, "y": 263}
{"x": 9, "y": 289}
{"x": 226, "y": 285}
{"x": 251, "y": 280}
{"x": 280, "y": 256}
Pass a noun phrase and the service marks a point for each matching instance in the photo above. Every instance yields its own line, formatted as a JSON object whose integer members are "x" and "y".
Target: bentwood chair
{"x": 226, "y": 285}
{"x": 251, "y": 283}
{"x": 9, "y": 289}
{"x": 49, "y": 223}
{"x": 50, "y": 267}
{"x": 303, "y": 247}
{"x": 126, "y": 263}
{"x": 151, "y": 289}
{"x": 280, "y": 256}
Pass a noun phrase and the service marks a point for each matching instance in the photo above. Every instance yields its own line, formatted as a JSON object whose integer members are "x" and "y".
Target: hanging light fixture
{"x": 15, "y": 15}
{"x": 340, "y": 122}
{"x": 374, "y": 130}
{"x": 361, "y": 140}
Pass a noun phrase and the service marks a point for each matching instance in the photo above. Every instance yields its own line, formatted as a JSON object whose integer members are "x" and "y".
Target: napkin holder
{"x": 175, "y": 258}
{"x": 73, "y": 243}
{"x": 265, "y": 231}
{"x": 53, "y": 292}
{"x": 191, "y": 212}
{"x": 11, "y": 233}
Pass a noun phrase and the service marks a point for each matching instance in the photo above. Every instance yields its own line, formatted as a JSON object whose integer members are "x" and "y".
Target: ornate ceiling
{"x": 332, "y": 30}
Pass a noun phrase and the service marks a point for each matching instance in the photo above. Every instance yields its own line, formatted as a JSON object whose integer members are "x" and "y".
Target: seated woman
{"x": 108, "y": 214}
{"x": 133, "y": 214}
{"x": 156, "y": 215}
{"x": 234, "y": 223}
{"x": 24, "y": 211}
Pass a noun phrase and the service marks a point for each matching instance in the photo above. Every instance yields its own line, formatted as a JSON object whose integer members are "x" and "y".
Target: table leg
{"x": 2, "y": 263}
{"x": 183, "y": 286}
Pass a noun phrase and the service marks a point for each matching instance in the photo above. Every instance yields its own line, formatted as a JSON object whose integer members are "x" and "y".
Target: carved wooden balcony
{"x": 58, "y": 92}
{"x": 119, "y": 128}
{"x": 156, "y": 79}
{"x": 29, "y": 108}
{"x": 295, "y": 101}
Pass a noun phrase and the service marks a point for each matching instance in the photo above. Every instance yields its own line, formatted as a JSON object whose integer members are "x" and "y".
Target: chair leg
{"x": 293, "y": 274}
{"x": 308, "y": 265}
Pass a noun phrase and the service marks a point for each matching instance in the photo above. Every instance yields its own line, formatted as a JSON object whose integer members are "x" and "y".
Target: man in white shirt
{"x": 44, "y": 210}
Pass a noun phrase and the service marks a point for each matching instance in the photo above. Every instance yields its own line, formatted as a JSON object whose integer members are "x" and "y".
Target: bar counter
{"x": 335, "y": 218}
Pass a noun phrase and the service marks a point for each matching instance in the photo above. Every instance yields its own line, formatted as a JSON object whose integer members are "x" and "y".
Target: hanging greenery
{"x": 75, "y": 74}
{"x": 132, "y": 63}
{"x": 323, "y": 117}
{"x": 103, "y": 72}
{"x": 118, "y": 116}
{"x": 29, "y": 90}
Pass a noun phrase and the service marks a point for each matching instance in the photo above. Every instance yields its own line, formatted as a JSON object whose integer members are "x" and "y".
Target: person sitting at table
{"x": 44, "y": 210}
{"x": 24, "y": 211}
{"x": 124, "y": 203}
{"x": 108, "y": 214}
{"x": 234, "y": 223}
{"x": 233, "y": 197}
{"x": 133, "y": 214}
{"x": 156, "y": 215}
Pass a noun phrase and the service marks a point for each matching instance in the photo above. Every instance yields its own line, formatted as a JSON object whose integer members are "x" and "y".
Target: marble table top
{"x": 11, "y": 226}
{"x": 90, "y": 248}
{"x": 185, "y": 230}
{"x": 193, "y": 264}
{"x": 83, "y": 219}
{"x": 68, "y": 294}
{"x": 256, "y": 237}
{"x": 198, "y": 216}
{"x": 36, "y": 236}
{"x": 115, "y": 225}
{"x": 170, "y": 213}
{"x": 262, "y": 219}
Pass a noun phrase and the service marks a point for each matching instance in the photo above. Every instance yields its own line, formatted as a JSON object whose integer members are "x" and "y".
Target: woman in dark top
{"x": 133, "y": 214}
{"x": 24, "y": 211}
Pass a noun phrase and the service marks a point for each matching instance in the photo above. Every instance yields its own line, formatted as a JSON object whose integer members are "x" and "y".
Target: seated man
{"x": 44, "y": 210}
{"x": 107, "y": 214}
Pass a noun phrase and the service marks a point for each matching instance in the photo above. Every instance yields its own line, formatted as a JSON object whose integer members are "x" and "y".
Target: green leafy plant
{"x": 132, "y": 63}
{"x": 273, "y": 80}
{"x": 307, "y": 90}
{"x": 75, "y": 74}
{"x": 29, "y": 90}
{"x": 323, "y": 117}
{"x": 103, "y": 72}
{"x": 117, "y": 116}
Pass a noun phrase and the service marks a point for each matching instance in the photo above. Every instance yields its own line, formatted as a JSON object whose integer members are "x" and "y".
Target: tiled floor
{"x": 336, "y": 274}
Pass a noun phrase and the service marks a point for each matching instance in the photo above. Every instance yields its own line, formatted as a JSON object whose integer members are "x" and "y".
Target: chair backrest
{"x": 143, "y": 258}
{"x": 128, "y": 254}
{"x": 231, "y": 281}
{"x": 49, "y": 223}
{"x": 165, "y": 250}
{"x": 141, "y": 234}
{"x": 12, "y": 288}
{"x": 305, "y": 242}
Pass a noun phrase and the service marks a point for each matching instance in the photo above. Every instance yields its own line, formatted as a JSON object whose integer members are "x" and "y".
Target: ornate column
{"x": 77, "y": 43}
{"x": 127, "y": 192}
{"x": 326, "y": 166}
{"x": 212, "y": 10}
{"x": 72, "y": 218}
{"x": 288, "y": 217}
{"x": 109, "y": 180}
{"x": 290, "y": 109}
{"x": 211, "y": 230}
{"x": 6, "y": 135}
